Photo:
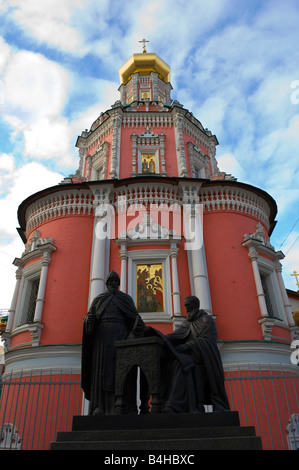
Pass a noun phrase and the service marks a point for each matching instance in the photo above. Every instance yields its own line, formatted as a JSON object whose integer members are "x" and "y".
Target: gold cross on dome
{"x": 144, "y": 41}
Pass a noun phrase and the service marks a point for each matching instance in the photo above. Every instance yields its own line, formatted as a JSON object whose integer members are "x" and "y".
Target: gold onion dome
{"x": 144, "y": 63}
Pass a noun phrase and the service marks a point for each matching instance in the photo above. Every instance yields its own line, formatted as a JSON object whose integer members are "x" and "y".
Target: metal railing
{"x": 268, "y": 399}
{"x": 33, "y": 408}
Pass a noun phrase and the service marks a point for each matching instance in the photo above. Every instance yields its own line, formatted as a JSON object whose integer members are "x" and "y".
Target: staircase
{"x": 171, "y": 432}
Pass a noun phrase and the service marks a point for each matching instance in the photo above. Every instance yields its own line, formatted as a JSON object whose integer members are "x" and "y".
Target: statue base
{"x": 159, "y": 432}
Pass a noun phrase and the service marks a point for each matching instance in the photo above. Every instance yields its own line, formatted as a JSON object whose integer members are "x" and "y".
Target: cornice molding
{"x": 42, "y": 360}
{"x": 70, "y": 201}
{"x": 59, "y": 204}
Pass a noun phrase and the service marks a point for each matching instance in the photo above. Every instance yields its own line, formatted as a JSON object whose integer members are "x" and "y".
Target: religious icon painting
{"x": 148, "y": 163}
{"x": 149, "y": 288}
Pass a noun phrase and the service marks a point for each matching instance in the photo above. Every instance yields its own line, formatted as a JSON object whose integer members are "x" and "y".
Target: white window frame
{"x": 267, "y": 269}
{"x": 154, "y": 151}
{"x": 161, "y": 256}
{"x": 145, "y": 90}
{"x": 29, "y": 274}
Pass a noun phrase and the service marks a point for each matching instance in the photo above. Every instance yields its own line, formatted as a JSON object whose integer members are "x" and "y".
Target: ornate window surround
{"x": 258, "y": 245}
{"x": 98, "y": 162}
{"x": 152, "y": 234}
{"x": 38, "y": 251}
{"x": 29, "y": 274}
{"x": 199, "y": 163}
{"x": 148, "y": 142}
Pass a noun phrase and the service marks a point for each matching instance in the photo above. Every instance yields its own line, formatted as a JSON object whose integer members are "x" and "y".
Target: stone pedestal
{"x": 159, "y": 432}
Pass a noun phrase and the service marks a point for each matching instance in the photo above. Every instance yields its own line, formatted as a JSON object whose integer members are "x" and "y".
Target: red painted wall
{"x": 232, "y": 284}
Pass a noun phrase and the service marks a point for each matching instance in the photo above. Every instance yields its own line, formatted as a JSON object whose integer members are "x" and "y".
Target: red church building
{"x": 149, "y": 202}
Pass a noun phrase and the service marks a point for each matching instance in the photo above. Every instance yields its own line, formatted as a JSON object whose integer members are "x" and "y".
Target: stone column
{"x": 258, "y": 283}
{"x": 286, "y": 302}
{"x": 12, "y": 310}
{"x": 123, "y": 273}
{"x": 42, "y": 287}
{"x": 97, "y": 280}
{"x": 195, "y": 244}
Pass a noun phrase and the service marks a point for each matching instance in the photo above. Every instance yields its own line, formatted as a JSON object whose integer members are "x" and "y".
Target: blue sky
{"x": 234, "y": 64}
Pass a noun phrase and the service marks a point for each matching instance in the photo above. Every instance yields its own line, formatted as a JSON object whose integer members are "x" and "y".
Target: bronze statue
{"x": 195, "y": 374}
{"x": 192, "y": 372}
{"x": 111, "y": 317}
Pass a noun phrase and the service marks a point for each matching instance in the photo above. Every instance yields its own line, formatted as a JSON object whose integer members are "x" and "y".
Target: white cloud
{"x": 229, "y": 164}
{"x": 5, "y": 51}
{"x": 6, "y": 171}
{"x": 8, "y": 252}
{"x": 35, "y": 87}
{"x": 24, "y": 181}
{"x": 47, "y": 139}
{"x": 49, "y": 21}
{"x": 36, "y": 91}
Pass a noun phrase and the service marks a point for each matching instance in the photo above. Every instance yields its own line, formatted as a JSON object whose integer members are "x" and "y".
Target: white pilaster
{"x": 258, "y": 283}
{"x": 286, "y": 302}
{"x": 123, "y": 273}
{"x": 42, "y": 287}
{"x": 195, "y": 243}
{"x": 175, "y": 280}
{"x": 11, "y": 311}
{"x": 98, "y": 268}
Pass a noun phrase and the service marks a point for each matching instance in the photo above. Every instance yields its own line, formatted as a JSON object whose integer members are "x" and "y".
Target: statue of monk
{"x": 195, "y": 374}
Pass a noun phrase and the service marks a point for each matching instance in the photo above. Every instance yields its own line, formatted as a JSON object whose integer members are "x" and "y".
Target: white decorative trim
{"x": 115, "y": 148}
{"x": 144, "y": 120}
{"x": 292, "y": 431}
{"x": 148, "y": 193}
{"x": 235, "y": 198}
{"x": 58, "y": 204}
{"x": 180, "y": 146}
{"x": 80, "y": 201}
{"x": 244, "y": 355}
{"x": 259, "y": 236}
{"x": 148, "y": 229}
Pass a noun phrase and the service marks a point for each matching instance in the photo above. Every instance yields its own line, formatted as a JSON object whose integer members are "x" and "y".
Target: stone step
{"x": 156, "y": 421}
{"x": 143, "y": 434}
{"x": 218, "y": 443}
{"x": 171, "y": 432}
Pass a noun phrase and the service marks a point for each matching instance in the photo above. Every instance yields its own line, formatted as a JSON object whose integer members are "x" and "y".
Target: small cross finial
{"x": 144, "y": 48}
{"x": 296, "y": 277}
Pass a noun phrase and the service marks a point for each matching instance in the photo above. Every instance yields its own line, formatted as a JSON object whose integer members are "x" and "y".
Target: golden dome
{"x": 144, "y": 64}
